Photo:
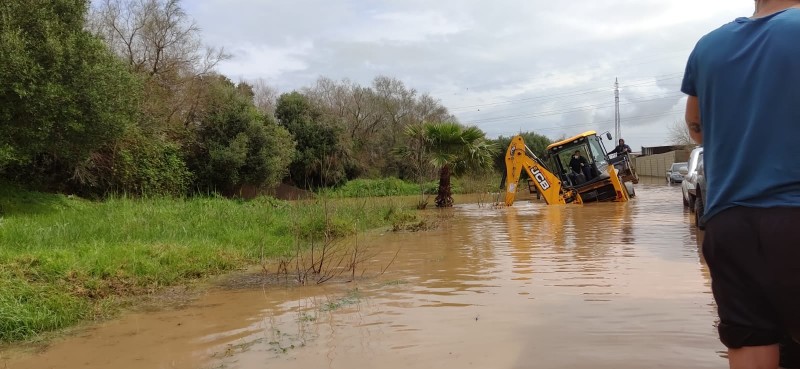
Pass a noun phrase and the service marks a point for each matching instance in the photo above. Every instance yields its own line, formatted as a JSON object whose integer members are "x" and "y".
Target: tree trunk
{"x": 444, "y": 199}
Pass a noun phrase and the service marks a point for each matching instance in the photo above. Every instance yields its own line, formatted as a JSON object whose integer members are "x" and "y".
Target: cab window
{"x": 598, "y": 156}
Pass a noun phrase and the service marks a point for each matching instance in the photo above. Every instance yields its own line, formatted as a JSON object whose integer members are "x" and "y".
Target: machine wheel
{"x": 683, "y": 196}
{"x": 631, "y": 190}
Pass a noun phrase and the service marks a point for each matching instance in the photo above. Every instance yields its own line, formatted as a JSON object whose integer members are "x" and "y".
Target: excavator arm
{"x": 519, "y": 158}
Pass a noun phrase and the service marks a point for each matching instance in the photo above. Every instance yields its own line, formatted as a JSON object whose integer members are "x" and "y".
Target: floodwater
{"x": 531, "y": 286}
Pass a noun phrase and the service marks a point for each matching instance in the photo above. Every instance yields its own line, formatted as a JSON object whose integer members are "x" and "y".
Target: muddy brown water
{"x": 532, "y": 286}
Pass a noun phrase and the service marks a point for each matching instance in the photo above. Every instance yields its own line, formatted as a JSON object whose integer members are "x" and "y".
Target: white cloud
{"x": 250, "y": 61}
{"x": 556, "y": 61}
{"x": 404, "y": 27}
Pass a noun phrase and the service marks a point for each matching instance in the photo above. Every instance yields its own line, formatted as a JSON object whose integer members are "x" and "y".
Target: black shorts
{"x": 754, "y": 259}
{"x": 790, "y": 353}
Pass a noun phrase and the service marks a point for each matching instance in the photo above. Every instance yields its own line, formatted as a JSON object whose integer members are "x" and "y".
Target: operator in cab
{"x": 622, "y": 148}
{"x": 580, "y": 165}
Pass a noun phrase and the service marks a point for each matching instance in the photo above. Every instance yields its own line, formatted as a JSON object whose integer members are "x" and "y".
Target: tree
{"x": 264, "y": 97}
{"x": 374, "y": 119}
{"x": 234, "y": 144}
{"x": 536, "y": 142}
{"x": 160, "y": 42}
{"x": 64, "y": 96}
{"x": 679, "y": 134}
{"x": 455, "y": 150}
{"x": 321, "y": 159}
{"x": 416, "y": 156}
{"x": 155, "y": 37}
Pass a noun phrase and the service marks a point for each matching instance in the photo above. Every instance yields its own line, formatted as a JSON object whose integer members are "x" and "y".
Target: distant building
{"x": 655, "y": 150}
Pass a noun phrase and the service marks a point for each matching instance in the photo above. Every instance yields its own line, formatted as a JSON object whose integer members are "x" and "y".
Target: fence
{"x": 657, "y": 165}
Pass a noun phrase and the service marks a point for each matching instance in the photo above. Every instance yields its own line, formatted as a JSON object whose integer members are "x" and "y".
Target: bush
{"x": 322, "y": 158}
{"x": 233, "y": 144}
{"x": 149, "y": 168}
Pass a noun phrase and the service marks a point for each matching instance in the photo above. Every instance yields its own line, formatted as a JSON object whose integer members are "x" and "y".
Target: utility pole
{"x": 617, "y": 127}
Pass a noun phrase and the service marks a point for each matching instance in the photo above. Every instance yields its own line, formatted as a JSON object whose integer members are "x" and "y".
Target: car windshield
{"x": 677, "y": 166}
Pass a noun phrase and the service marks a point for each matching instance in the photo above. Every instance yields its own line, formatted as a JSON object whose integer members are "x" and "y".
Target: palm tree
{"x": 454, "y": 149}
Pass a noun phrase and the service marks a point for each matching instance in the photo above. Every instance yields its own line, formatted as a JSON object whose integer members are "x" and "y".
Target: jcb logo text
{"x": 540, "y": 178}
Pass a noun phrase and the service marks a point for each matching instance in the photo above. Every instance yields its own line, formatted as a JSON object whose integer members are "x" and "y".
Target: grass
{"x": 384, "y": 187}
{"x": 351, "y": 298}
{"x": 65, "y": 260}
{"x": 486, "y": 182}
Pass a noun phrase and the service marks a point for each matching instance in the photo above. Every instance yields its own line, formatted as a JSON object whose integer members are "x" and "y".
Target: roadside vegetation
{"x": 124, "y": 154}
{"x": 364, "y": 187}
{"x": 66, "y": 259}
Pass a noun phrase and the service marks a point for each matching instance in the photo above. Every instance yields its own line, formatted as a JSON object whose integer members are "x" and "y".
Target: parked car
{"x": 700, "y": 194}
{"x": 690, "y": 179}
{"x": 673, "y": 173}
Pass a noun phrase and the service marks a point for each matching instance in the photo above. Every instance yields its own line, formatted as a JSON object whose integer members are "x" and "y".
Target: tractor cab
{"x": 582, "y": 163}
{"x": 591, "y": 162}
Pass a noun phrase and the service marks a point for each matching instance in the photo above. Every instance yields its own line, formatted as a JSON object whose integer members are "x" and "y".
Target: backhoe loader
{"x": 559, "y": 180}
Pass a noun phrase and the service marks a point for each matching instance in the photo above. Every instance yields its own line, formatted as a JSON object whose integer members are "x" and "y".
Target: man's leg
{"x": 749, "y": 326}
{"x": 779, "y": 237}
{"x": 758, "y": 357}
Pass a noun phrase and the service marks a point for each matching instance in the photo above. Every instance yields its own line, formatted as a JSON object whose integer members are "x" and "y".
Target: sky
{"x": 504, "y": 66}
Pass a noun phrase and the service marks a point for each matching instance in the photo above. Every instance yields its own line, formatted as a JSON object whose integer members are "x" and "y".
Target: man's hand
{"x": 693, "y": 120}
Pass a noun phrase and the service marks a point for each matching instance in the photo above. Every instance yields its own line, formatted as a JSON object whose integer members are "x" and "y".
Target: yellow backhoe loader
{"x": 574, "y": 171}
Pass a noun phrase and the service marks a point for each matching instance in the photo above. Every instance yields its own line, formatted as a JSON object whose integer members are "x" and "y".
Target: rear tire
{"x": 699, "y": 211}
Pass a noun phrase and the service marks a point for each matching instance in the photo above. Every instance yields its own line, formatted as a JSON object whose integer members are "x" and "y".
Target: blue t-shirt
{"x": 746, "y": 75}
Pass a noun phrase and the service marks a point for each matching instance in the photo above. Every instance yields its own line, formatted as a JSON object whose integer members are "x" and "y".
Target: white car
{"x": 689, "y": 182}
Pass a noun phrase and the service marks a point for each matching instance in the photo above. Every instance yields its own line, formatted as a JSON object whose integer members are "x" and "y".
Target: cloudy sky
{"x": 505, "y": 66}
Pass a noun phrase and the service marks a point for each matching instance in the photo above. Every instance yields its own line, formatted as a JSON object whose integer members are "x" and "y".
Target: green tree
{"x": 322, "y": 159}
{"x": 536, "y": 142}
{"x": 456, "y": 149}
{"x": 64, "y": 95}
{"x": 234, "y": 144}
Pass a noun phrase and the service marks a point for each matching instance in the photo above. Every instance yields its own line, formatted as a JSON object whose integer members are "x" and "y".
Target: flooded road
{"x": 532, "y": 286}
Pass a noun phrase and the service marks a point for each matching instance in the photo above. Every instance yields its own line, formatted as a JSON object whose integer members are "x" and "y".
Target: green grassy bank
{"x": 65, "y": 260}
{"x": 487, "y": 182}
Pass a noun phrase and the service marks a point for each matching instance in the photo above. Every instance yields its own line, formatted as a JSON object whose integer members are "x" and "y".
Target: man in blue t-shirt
{"x": 743, "y": 82}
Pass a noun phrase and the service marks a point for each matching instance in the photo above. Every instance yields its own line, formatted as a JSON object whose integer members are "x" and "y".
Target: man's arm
{"x": 693, "y": 119}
